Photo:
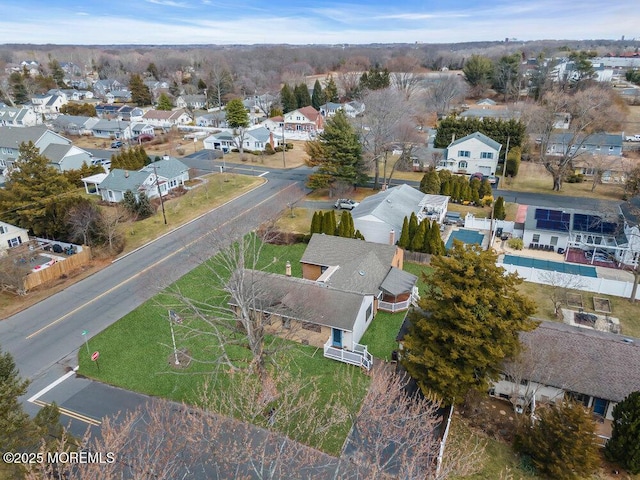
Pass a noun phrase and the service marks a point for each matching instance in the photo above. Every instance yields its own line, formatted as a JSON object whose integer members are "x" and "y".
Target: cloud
{"x": 170, "y": 3}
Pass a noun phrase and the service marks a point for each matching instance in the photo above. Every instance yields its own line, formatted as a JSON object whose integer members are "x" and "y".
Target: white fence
{"x": 617, "y": 288}
{"x": 470, "y": 221}
{"x": 360, "y": 356}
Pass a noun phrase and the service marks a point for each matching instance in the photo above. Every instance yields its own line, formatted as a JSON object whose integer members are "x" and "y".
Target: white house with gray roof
{"x": 112, "y": 129}
{"x": 18, "y": 117}
{"x": 311, "y": 313}
{"x": 597, "y": 369}
{"x": 606, "y": 144}
{"x": 471, "y": 154}
{"x": 380, "y": 217}
{"x": 11, "y": 236}
{"x": 258, "y": 138}
{"x": 171, "y": 174}
{"x": 74, "y": 124}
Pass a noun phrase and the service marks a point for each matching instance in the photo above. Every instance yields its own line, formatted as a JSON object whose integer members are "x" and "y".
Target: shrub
{"x": 575, "y": 178}
{"x": 515, "y": 243}
{"x": 512, "y": 165}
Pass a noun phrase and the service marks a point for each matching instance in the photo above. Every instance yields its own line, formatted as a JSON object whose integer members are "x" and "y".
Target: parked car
{"x": 346, "y": 204}
{"x": 145, "y": 137}
{"x": 116, "y": 144}
{"x": 633, "y": 138}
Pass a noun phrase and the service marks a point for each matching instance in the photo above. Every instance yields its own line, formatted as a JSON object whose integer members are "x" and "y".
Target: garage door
{"x": 485, "y": 170}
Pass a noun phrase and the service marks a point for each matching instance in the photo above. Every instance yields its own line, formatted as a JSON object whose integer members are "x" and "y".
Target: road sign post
{"x": 86, "y": 340}
{"x": 94, "y": 358}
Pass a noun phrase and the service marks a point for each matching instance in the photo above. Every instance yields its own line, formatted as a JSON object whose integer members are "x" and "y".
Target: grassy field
{"x": 136, "y": 352}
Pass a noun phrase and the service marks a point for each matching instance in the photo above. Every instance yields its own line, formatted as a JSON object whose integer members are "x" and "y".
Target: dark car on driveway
{"x": 345, "y": 204}
{"x": 116, "y": 144}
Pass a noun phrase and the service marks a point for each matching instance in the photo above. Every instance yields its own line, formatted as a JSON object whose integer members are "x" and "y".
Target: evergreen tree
{"x": 430, "y": 182}
{"x": 18, "y": 88}
{"x": 375, "y": 79}
{"x": 475, "y": 197}
{"x": 359, "y": 235}
{"x": 144, "y": 207}
{"x": 417, "y": 242}
{"x": 31, "y": 192}
{"x": 478, "y": 71}
{"x": 436, "y": 244}
{"x": 484, "y": 190}
{"x": 129, "y": 202}
{"x": 238, "y": 120}
{"x": 331, "y": 90}
{"x": 404, "y": 240}
{"x": 317, "y": 98}
{"x": 301, "y": 92}
{"x": 624, "y": 445}
{"x": 560, "y": 442}
{"x": 164, "y": 102}
{"x": 512, "y": 164}
{"x": 57, "y": 73}
{"x": 337, "y": 153}
{"x": 445, "y": 188}
{"x": 426, "y": 246}
{"x": 467, "y": 325}
{"x": 329, "y": 223}
{"x": 288, "y": 99}
{"x": 346, "y": 228}
{"x": 140, "y": 93}
{"x": 315, "y": 223}
{"x": 499, "y": 211}
{"x": 413, "y": 226}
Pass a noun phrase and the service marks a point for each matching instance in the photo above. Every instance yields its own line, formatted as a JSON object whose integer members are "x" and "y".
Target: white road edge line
{"x": 263, "y": 174}
{"x": 53, "y": 385}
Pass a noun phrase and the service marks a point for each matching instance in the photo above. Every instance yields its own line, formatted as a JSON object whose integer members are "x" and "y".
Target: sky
{"x": 180, "y": 22}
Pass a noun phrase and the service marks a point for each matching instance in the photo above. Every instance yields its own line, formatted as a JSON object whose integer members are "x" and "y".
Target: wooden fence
{"x": 417, "y": 257}
{"x": 58, "y": 269}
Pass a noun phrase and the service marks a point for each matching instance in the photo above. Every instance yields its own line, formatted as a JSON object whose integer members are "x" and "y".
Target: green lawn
{"x": 381, "y": 335}
{"x": 136, "y": 354}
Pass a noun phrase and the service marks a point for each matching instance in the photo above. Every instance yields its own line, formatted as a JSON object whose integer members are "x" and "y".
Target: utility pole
{"x": 155, "y": 172}
{"x": 284, "y": 145}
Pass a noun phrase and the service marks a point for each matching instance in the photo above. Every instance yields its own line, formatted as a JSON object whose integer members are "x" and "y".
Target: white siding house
{"x": 11, "y": 236}
{"x": 474, "y": 153}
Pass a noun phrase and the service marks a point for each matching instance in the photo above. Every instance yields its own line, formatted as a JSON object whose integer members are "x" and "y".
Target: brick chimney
{"x": 392, "y": 237}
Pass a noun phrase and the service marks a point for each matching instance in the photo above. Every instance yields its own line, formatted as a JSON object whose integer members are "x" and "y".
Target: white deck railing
{"x": 359, "y": 356}
{"x": 393, "y": 306}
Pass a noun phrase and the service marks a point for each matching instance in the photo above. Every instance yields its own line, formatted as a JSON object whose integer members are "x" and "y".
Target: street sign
{"x": 95, "y": 356}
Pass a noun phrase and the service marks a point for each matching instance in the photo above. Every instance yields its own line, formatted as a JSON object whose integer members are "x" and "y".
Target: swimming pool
{"x": 468, "y": 237}
{"x": 550, "y": 265}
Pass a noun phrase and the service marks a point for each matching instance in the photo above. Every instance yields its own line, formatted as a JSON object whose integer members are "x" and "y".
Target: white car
{"x": 346, "y": 204}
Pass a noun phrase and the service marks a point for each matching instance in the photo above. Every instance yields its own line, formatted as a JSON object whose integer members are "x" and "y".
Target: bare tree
{"x": 593, "y": 109}
{"x": 560, "y": 284}
{"x": 82, "y": 219}
{"x": 597, "y": 165}
{"x": 112, "y": 220}
{"x": 12, "y": 274}
{"x": 443, "y": 91}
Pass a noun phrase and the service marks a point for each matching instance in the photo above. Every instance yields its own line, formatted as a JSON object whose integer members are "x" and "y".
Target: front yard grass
{"x": 136, "y": 354}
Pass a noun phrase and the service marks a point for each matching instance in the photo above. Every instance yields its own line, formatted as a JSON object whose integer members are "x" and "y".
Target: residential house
{"x": 630, "y": 212}
{"x": 213, "y": 119}
{"x": 18, "y": 117}
{"x": 353, "y": 109}
{"x": 73, "y": 124}
{"x": 573, "y": 228}
{"x": 486, "y": 102}
{"x": 494, "y": 113}
{"x": 138, "y": 129}
{"x": 367, "y": 268}
{"x": 305, "y": 311}
{"x": 47, "y": 104}
{"x": 380, "y": 217}
{"x": 562, "y": 121}
{"x": 329, "y": 109}
{"x": 30, "y": 66}
{"x": 64, "y": 157}
{"x": 112, "y": 129}
{"x": 474, "y": 153}
{"x": 11, "y": 236}
{"x": 167, "y": 118}
{"x": 118, "y": 96}
{"x": 560, "y": 361}
{"x": 193, "y": 102}
{"x": 102, "y": 87}
{"x": 223, "y": 141}
{"x": 259, "y": 103}
{"x": 256, "y": 139}
{"x": 607, "y": 144}
{"x": 306, "y": 122}
{"x": 155, "y": 179}
{"x": 130, "y": 114}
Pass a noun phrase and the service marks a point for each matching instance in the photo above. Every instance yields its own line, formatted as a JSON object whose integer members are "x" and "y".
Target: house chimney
{"x": 392, "y": 237}
{"x": 287, "y": 269}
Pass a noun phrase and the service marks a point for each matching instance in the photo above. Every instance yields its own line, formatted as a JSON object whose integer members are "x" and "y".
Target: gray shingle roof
{"x": 167, "y": 168}
{"x": 55, "y": 153}
{"x": 261, "y": 134}
{"x": 480, "y": 136}
{"x": 302, "y": 299}
{"x": 122, "y": 180}
{"x": 391, "y": 206}
{"x": 398, "y": 282}
{"x": 110, "y": 125}
{"x": 586, "y": 361}
{"x": 363, "y": 265}
{"x": 12, "y": 137}
{"x": 601, "y": 139}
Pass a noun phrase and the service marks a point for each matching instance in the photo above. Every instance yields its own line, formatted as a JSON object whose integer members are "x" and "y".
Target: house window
{"x": 553, "y": 241}
{"x": 313, "y": 327}
{"x": 486, "y": 155}
{"x": 536, "y": 238}
{"x": 464, "y": 153}
{"x": 463, "y": 164}
{"x": 369, "y": 312}
{"x": 14, "y": 242}
{"x": 3, "y": 229}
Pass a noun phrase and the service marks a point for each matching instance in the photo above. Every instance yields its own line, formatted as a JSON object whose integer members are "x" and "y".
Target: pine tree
{"x": 288, "y": 99}
{"x": 238, "y": 119}
{"x": 624, "y": 445}
{"x": 314, "y": 224}
{"x": 467, "y": 325}
{"x": 485, "y": 189}
{"x": 331, "y": 90}
{"x": 144, "y": 207}
{"x": 436, "y": 244}
{"x": 301, "y": 92}
{"x": 140, "y": 93}
{"x": 359, "y": 235}
{"x": 430, "y": 182}
{"x": 499, "y": 211}
{"x": 129, "y": 202}
{"x": 404, "y": 240}
{"x": 317, "y": 97}
{"x": 561, "y": 441}
{"x": 426, "y": 246}
{"x": 164, "y": 102}
{"x": 417, "y": 242}
{"x": 348, "y": 230}
{"x": 337, "y": 153}
{"x": 413, "y": 226}
{"x": 329, "y": 223}
{"x": 32, "y": 191}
